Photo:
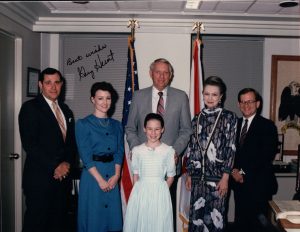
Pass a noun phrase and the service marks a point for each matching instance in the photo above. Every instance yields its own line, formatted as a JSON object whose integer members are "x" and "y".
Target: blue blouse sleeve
{"x": 119, "y": 155}
{"x": 82, "y": 134}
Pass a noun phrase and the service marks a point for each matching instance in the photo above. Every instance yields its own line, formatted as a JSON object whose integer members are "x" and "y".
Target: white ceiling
{"x": 174, "y": 8}
{"x": 66, "y": 15}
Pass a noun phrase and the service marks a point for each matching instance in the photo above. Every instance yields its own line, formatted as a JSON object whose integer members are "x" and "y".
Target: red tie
{"x": 160, "y": 105}
{"x": 59, "y": 119}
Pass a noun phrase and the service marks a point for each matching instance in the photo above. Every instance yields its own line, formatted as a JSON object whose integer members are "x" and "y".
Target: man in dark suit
{"x": 254, "y": 181}
{"x": 48, "y": 138}
{"x": 176, "y": 115}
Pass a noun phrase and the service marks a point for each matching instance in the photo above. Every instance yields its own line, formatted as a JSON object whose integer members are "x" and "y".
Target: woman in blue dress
{"x": 100, "y": 143}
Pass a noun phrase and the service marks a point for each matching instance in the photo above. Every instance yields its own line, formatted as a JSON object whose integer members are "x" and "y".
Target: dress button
{"x": 106, "y": 175}
{"x": 108, "y": 148}
{"x": 106, "y": 133}
{"x": 106, "y": 206}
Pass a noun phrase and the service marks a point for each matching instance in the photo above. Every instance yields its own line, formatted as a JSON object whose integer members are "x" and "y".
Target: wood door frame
{"x": 17, "y": 138}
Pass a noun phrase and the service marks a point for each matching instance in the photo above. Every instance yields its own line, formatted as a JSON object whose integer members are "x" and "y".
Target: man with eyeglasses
{"x": 173, "y": 105}
{"x": 254, "y": 181}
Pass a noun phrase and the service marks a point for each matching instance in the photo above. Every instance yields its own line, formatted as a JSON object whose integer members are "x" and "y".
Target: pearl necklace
{"x": 104, "y": 122}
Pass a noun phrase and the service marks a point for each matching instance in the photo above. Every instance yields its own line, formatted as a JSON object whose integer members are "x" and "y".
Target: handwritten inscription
{"x": 71, "y": 61}
{"x": 82, "y": 73}
{"x": 96, "y": 50}
{"x": 99, "y": 55}
{"x": 99, "y": 63}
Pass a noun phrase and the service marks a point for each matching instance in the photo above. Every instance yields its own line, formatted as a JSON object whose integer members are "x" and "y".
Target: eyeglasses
{"x": 250, "y": 102}
{"x": 159, "y": 73}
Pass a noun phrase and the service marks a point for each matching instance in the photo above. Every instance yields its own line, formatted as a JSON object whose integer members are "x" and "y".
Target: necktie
{"x": 160, "y": 104}
{"x": 244, "y": 132}
{"x": 59, "y": 119}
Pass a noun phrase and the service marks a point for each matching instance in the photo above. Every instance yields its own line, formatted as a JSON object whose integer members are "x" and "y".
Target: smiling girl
{"x": 149, "y": 208}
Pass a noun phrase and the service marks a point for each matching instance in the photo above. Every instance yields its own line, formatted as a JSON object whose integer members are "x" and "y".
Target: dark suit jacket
{"x": 255, "y": 158}
{"x": 43, "y": 142}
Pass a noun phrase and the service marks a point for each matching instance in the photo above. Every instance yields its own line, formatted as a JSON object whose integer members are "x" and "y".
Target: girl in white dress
{"x": 149, "y": 207}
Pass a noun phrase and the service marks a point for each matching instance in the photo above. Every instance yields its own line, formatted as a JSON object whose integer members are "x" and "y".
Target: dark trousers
{"x": 46, "y": 209}
{"x": 248, "y": 212}
{"x": 173, "y": 190}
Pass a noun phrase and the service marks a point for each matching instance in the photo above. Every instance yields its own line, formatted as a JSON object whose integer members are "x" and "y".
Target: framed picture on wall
{"x": 285, "y": 100}
{"x": 32, "y": 82}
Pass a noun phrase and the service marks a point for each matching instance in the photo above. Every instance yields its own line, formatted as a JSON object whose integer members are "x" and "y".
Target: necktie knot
{"x": 160, "y": 94}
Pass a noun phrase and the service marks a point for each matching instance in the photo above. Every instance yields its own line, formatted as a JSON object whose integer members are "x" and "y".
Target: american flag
{"x": 130, "y": 86}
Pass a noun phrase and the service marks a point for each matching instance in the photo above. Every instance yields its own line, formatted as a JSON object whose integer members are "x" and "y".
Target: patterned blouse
{"x": 220, "y": 153}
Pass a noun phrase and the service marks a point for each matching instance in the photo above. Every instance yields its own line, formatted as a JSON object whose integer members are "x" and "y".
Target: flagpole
{"x": 198, "y": 26}
{"x": 131, "y": 85}
{"x": 133, "y": 23}
{"x": 196, "y": 104}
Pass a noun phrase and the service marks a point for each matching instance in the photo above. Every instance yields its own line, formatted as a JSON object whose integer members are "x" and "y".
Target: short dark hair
{"x": 165, "y": 61}
{"x": 249, "y": 90}
{"x": 154, "y": 116}
{"x": 49, "y": 71}
{"x": 105, "y": 86}
{"x": 216, "y": 81}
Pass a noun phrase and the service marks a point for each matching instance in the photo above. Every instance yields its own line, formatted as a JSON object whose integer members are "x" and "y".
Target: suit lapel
{"x": 239, "y": 126}
{"x": 169, "y": 102}
{"x": 252, "y": 127}
{"x": 46, "y": 109}
{"x": 49, "y": 114}
{"x": 148, "y": 101}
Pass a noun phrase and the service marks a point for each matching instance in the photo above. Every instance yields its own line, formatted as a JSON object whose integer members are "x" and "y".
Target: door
{"x": 10, "y": 100}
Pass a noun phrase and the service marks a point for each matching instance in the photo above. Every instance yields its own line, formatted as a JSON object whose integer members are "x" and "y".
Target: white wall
{"x": 174, "y": 47}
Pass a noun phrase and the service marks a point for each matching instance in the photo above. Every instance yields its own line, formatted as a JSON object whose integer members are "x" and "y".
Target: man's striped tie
{"x": 160, "y": 105}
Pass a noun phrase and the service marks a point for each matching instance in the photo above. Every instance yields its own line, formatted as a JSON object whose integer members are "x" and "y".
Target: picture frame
{"x": 285, "y": 100}
{"x": 32, "y": 82}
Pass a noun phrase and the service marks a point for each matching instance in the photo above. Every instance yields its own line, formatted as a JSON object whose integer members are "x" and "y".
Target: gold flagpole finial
{"x": 198, "y": 26}
{"x": 133, "y": 23}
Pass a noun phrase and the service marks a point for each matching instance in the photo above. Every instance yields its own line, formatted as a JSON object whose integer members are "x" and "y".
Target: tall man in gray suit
{"x": 175, "y": 111}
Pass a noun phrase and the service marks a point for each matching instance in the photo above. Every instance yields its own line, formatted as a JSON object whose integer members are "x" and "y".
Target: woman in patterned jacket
{"x": 210, "y": 159}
